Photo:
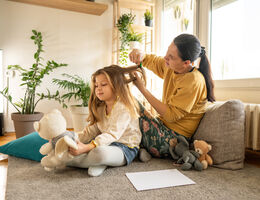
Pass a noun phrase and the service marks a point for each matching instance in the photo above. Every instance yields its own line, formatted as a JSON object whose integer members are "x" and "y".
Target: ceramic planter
{"x": 1, "y": 124}
{"x": 134, "y": 45}
{"x": 79, "y": 117}
{"x": 148, "y": 23}
{"x": 23, "y": 123}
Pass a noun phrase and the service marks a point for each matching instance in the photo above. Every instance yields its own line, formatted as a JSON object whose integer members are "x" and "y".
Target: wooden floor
{"x": 4, "y": 163}
{"x": 251, "y": 157}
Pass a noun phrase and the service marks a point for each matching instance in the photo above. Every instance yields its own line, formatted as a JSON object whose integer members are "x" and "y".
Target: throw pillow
{"x": 223, "y": 127}
{"x": 25, "y": 147}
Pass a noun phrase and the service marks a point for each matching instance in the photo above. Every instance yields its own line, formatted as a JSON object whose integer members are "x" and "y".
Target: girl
{"x": 113, "y": 136}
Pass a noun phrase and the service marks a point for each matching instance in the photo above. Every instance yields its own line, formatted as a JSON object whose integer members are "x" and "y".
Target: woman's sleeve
{"x": 155, "y": 64}
{"x": 118, "y": 124}
{"x": 89, "y": 133}
{"x": 182, "y": 102}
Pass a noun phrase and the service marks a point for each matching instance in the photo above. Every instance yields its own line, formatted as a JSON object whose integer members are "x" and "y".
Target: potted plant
{"x": 80, "y": 90}
{"x": 123, "y": 24}
{"x": 31, "y": 78}
{"x": 135, "y": 39}
{"x": 185, "y": 23}
{"x": 148, "y": 18}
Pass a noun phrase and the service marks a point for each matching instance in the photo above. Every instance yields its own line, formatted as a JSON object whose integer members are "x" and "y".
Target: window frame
{"x": 204, "y": 34}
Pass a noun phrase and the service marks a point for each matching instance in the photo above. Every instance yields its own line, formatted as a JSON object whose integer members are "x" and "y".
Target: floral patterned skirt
{"x": 156, "y": 137}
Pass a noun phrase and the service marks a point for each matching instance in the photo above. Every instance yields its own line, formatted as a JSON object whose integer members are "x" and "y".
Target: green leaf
{"x": 36, "y": 55}
{"x": 32, "y": 78}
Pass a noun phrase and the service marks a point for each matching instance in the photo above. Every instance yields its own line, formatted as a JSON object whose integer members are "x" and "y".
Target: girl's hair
{"x": 118, "y": 78}
{"x": 189, "y": 48}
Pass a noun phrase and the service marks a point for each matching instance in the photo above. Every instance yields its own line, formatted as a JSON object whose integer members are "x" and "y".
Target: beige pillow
{"x": 223, "y": 127}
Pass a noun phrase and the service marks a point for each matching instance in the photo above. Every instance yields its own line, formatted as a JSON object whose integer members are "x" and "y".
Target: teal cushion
{"x": 25, "y": 147}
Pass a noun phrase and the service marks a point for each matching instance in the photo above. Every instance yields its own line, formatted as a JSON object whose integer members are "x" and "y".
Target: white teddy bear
{"x": 52, "y": 127}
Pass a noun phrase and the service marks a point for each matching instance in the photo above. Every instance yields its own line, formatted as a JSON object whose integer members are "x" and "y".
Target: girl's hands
{"x": 136, "y": 56}
{"x": 82, "y": 148}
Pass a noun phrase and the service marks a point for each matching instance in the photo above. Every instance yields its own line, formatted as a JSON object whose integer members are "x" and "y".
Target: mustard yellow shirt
{"x": 118, "y": 126}
{"x": 184, "y": 94}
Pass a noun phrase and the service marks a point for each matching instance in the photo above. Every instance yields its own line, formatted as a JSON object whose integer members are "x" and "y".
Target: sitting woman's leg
{"x": 156, "y": 137}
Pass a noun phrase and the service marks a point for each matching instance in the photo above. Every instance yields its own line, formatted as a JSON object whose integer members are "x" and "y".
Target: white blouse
{"x": 118, "y": 126}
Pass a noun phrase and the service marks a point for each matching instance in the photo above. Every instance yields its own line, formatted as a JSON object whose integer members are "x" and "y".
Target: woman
{"x": 186, "y": 91}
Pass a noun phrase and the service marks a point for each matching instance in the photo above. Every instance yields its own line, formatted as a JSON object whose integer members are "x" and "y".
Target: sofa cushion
{"x": 223, "y": 127}
{"x": 26, "y": 147}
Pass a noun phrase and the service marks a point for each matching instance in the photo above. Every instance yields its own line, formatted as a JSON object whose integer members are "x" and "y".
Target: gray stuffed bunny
{"x": 180, "y": 151}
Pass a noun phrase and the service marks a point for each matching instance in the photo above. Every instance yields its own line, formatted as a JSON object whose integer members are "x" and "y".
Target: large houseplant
{"x": 31, "y": 78}
{"x": 76, "y": 88}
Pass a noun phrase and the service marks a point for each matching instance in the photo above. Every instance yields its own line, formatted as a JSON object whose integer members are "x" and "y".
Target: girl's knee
{"x": 99, "y": 153}
{"x": 106, "y": 155}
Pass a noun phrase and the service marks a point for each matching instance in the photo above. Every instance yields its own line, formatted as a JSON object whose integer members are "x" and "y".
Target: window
{"x": 235, "y": 39}
{"x": 178, "y": 17}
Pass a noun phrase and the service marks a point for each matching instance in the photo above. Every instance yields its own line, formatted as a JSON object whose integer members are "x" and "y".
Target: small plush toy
{"x": 179, "y": 151}
{"x": 52, "y": 127}
{"x": 203, "y": 148}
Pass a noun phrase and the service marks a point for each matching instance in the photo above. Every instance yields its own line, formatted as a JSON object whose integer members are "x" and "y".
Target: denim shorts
{"x": 130, "y": 153}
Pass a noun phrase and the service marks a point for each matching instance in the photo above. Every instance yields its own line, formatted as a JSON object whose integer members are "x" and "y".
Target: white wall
{"x": 82, "y": 41}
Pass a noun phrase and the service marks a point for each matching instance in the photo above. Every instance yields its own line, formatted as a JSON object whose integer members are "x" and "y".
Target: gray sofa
{"x": 223, "y": 127}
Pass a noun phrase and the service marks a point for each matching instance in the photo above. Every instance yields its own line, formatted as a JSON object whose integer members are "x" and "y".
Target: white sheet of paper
{"x": 158, "y": 179}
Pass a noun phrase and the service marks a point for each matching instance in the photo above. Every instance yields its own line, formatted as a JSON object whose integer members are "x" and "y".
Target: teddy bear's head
{"x": 201, "y": 147}
{"x": 51, "y": 125}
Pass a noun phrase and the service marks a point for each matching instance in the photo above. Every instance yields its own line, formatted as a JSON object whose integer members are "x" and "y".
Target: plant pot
{"x": 1, "y": 124}
{"x": 148, "y": 23}
{"x": 79, "y": 117}
{"x": 23, "y": 123}
{"x": 134, "y": 45}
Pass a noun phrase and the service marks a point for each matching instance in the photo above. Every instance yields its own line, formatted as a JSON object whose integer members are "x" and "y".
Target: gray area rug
{"x": 27, "y": 180}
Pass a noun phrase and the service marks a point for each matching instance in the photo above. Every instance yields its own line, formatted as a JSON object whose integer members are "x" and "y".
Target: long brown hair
{"x": 118, "y": 78}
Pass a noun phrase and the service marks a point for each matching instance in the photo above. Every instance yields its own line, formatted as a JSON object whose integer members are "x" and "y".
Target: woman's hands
{"x": 136, "y": 56}
{"x": 138, "y": 82}
{"x": 82, "y": 148}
